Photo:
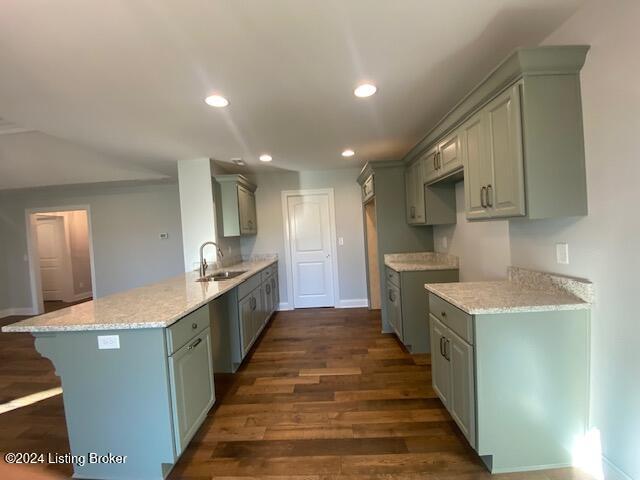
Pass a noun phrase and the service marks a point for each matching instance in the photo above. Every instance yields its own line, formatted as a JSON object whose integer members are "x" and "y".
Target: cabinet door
{"x": 505, "y": 195}
{"x": 410, "y": 187}
{"x": 418, "y": 178}
{"x": 477, "y": 166}
{"x": 450, "y": 158}
{"x": 276, "y": 291}
{"x": 192, "y": 387}
{"x": 247, "y": 211}
{"x": 430, "y": 164}
{"x": 268, "y": 297}
{"x": 395, "y": 309}
{"x": 462, "y": 396}
{"x": 274, "y": 294}
{"x": 440, "y": 366}
{"x": 247, "y": 332}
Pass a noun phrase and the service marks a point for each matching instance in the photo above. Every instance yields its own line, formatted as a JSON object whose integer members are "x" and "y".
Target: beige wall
{"x": 348, "y": 207}
{"x": 603, "y": 246}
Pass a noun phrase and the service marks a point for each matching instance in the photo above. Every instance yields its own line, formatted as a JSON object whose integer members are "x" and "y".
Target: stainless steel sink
{"x": 221, "y": 276}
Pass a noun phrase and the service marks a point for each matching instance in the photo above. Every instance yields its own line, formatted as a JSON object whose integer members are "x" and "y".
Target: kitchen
{"x": 357, "y": 309}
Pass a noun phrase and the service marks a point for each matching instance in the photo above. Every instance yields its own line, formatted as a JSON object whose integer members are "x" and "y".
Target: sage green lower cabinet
{"x": 192, "y": 387}
{"x": 515, "y": 383}
{"x": 406, "y": 302}
{"x": 145, "y": 399}
{"x": 241, "y": 316}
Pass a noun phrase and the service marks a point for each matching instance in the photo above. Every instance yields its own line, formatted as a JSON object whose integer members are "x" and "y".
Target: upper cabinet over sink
{"x": 517, "y": 137}
{"x": 238, "y": 205}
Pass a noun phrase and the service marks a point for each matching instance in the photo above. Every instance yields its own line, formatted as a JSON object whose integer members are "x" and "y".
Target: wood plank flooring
{"x": 324, "y": 395}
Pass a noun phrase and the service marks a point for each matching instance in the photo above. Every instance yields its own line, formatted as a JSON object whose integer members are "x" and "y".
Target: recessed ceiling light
{"x": 265, "y": 157}
{"x": 348, "y": 153}
{"x": 216, "y": 101}
{"x": 365, "y": 90}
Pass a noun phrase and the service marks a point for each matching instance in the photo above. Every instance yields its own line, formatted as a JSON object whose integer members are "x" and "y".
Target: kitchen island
{"x": 137, "y": 367}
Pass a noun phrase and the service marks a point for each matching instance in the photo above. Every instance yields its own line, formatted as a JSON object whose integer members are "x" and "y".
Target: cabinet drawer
{"x": 249, "y": 285}
{"x": 452, "y": 317}
{"x": 393, "y": 277}
{"x": 269, "y": 272}
{"x": 186, "y": 328}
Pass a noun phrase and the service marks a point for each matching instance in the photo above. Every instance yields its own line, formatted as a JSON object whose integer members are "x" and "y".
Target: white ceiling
{"x": 127, "y": 78}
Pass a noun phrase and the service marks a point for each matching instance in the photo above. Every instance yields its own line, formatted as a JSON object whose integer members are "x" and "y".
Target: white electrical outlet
{"x": 562, "y": 253}
{"x": 164, "y": 236}
{"x": 340, "y": 240}
{"x": 108, "y": 342}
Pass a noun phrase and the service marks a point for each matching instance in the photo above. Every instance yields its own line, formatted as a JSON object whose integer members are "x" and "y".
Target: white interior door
{"x": 310, "y": 246}
{"x": 51, "y": 251}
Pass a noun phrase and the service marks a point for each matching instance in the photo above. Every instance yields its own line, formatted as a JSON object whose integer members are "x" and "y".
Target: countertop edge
{"x": 135, "y": 326}
{"x": 519, "y": 309}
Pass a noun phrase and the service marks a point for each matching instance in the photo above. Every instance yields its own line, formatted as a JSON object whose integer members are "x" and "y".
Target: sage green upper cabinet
{"x": 238, "y": 205}
{"x": 492, "y": 152}
{"x": 520, "y": 138}
{"x": 477, "y": 165}
{"x": 430, "y": 159}
{"x": 449, "y": 159}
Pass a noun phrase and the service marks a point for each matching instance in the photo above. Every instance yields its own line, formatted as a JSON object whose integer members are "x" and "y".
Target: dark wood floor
{"x": 324, "y": 395}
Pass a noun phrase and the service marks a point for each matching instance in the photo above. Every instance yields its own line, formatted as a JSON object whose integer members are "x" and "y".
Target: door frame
{"x": 35, "y": 280}
{"x": 287, "y": 241}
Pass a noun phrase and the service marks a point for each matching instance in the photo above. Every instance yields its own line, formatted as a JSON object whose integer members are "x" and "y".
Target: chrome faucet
{"x": 203, "y": 261}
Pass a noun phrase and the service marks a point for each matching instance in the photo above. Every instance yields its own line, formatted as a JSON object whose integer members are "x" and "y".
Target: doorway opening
{"x": 371, "y": 242}
{"x": 60, "y": 257}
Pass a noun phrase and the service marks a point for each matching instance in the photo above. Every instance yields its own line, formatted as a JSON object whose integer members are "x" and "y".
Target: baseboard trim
{"x": 12, "y": 312}
{"x": 612, "y": 472}
{"x": 353, "y": 303}
{"x": 284, "y": 306}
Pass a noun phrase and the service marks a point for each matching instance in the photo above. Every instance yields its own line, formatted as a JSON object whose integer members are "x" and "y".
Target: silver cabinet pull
{"x": 194, "y": 326}
{"x": 439, "y": 161}
{"x": 413, "y": 212}
{"x": 435, "y": 162}
{"x": 446, "y": 349}
{"x": 483, "y": 194}
{"x": 442, "y": 346}
{"x": 268, "y": 288}
{"x": 489, "y": 196}
{"x": 194, "y": 344}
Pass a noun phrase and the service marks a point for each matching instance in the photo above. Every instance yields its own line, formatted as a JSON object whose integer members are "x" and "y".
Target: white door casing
{"x": 310, "y": 248}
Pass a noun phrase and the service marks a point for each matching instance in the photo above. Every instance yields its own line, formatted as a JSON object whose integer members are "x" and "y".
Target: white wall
{"x": 126, "y": 223}
{"x": 482, "y": 247}
{"x": 270, "y": 238}
{"x": 197, "y": 210}
{"x": 603, "y": 246}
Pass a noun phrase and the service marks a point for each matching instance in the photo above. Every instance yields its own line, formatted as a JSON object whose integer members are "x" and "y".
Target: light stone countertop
{"x": 152, "y": 306}
{"x": 525, "y": 291}
{"x": 420, "y": 261}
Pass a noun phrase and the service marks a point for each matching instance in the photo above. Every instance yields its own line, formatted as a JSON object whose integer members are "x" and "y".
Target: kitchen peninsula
{"x": 137, "y": 367}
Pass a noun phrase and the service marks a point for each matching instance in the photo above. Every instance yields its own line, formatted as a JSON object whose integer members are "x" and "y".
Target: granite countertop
{"x": 420, "y": 261}
{"x": 152, "y": 306}
{"x": 524, "y": 291}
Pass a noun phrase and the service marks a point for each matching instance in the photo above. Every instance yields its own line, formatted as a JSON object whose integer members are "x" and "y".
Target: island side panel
{"x": 116, "y": 401}
{"x": 532, "y": 380}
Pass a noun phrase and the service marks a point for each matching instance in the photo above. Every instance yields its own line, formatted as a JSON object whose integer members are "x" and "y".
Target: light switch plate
{"x": 108, "y": 342}
{"x": 340, "y": 240}
{"x": 562, "y": 253}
